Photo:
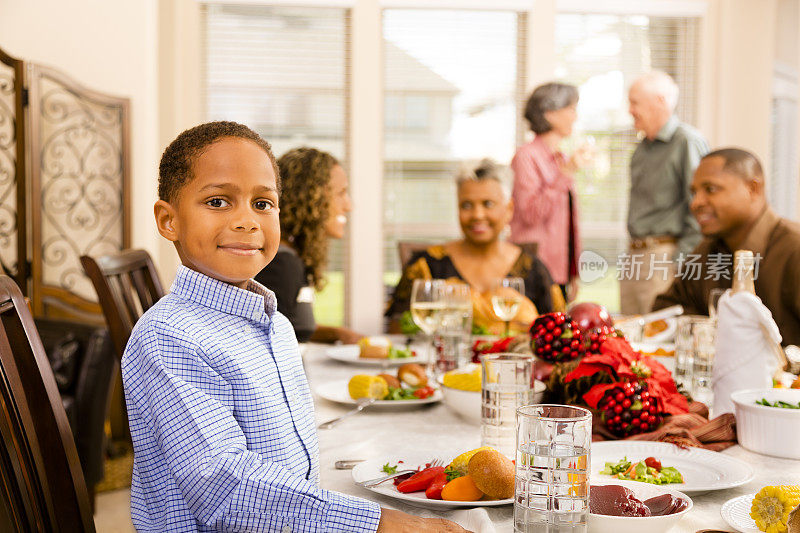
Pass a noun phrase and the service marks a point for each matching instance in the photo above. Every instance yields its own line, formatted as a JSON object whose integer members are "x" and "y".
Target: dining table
{"x": 379, "y": 432}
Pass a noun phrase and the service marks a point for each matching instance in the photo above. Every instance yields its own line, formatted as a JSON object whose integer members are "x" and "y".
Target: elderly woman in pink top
{"x": 545, "y": 205}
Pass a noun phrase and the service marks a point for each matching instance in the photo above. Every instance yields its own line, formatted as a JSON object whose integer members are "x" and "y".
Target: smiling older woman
{"x": 481, "y": 256}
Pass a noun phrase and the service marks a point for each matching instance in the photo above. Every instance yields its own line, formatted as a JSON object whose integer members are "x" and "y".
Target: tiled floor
{"x": 113, "y": 512}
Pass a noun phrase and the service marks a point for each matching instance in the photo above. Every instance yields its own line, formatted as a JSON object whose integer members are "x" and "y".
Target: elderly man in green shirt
{"x": 660, "y": 223}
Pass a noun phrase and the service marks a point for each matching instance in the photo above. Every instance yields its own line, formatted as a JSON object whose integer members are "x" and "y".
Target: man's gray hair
{"x": 485, "y": 169}
{"x": 660, "y": 83}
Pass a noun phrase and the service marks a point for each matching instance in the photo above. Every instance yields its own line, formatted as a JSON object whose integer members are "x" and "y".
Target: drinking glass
{"x": 552, "y": 469}
{"x": 505, "y": 385}
{"x": 694, "y": 352}
{"x": 507, "y": 296}
{"x": 455, "y": 327}
{"x": 713, "y": 300}
{"x": 427, "y": 304}
{"x": 704, "y": 335}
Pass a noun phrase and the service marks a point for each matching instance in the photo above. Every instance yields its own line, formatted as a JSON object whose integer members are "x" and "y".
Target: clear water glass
{"x": 704, "y": 334}
{"x": 713, "y": 299}
{"x": 455, "y": 330}
{"x": 506, "y": 380}
{"x": 552, "y": 469}
{"x": 694, "y": 353}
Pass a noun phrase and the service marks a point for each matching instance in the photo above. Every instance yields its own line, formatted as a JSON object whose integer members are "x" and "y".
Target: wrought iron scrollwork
{"x": 8, "y": 178}
{"x": 81, "y": 183}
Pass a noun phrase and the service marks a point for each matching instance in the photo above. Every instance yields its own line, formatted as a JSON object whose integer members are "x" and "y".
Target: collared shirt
{"x": 661, "y": 179}
{"x": 777, "y": 242}
{"x": 222, "y": 418}
{"x": 543, "y": 212}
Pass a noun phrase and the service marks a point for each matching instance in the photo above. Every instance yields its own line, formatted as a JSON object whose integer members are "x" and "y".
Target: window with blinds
{"x": 283, "y": 71}
{"x": 603, "y": 54}
{"x": 451, "y": 94}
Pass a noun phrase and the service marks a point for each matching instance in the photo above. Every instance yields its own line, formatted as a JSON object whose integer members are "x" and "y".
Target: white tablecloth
{"x": 375, "y": 433}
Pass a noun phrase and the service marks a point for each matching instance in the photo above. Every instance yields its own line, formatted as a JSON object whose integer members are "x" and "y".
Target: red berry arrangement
{"x": 556, "y": 338}
{"x": 628, "y": 409}
{"x": 595, "y": 337}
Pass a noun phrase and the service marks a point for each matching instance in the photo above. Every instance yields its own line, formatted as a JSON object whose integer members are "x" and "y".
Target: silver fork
{"x": 378, "y": 480}
{"x": 361, "y": 403}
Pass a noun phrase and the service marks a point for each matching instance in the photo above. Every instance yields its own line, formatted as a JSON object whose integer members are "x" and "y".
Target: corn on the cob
{"x": 363, "y": 386}
{"x": 772, "y": 505}
{"x": 461, "y": 462}
{"x": 468, "y": 381}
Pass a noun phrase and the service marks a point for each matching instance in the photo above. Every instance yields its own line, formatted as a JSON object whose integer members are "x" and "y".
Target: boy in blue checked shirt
{"x": 220, "y": 411}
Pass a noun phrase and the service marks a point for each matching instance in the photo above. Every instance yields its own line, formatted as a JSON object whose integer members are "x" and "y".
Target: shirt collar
{"x": 668, "y": 129}
{"x": 756, "y": 240}
{"x": 256, "y": 302}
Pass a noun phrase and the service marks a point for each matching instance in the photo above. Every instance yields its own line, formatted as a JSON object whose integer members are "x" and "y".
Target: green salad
{"x": 779, "y": 403}
{"x": 400, "y": 353}
{"x": 647, "y": 470}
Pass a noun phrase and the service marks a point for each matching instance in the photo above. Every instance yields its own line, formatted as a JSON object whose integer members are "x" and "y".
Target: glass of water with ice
{"x": 552, "y": 469}
{"x": 506, "y": 384}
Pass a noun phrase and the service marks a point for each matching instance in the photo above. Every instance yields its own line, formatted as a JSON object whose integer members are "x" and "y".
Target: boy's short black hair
{"x": 175, "y": 169}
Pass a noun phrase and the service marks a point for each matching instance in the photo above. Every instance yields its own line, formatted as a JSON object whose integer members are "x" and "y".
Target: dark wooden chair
{"x": 405, "y": 249}
{"x": 41, "y": 483}
{"x": 127, "y": 285}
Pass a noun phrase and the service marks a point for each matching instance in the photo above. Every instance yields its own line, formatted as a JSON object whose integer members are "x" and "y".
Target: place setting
{"x": 575, "y": 418}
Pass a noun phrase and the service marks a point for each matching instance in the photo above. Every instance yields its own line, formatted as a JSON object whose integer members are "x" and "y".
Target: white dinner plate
{"x": 349, "y": 353}
{"x": 371, "y": 469}
{"x": 336, "y": 391}
{"x": 736, "y": 513}
{"x": 663, "y": 336}
{"x": 702, "y": 470}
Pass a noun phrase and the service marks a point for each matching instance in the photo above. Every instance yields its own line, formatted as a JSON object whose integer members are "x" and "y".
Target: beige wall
{"x": 107, "y": 46}
{"x": 737, "y": 67}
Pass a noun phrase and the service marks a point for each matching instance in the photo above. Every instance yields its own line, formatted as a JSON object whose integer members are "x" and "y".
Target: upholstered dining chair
{"x": 41, "y": 483}
{"x": 127, "y": 285}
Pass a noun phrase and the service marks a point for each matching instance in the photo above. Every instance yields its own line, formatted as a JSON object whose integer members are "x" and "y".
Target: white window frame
{"x": 364, "y": 293}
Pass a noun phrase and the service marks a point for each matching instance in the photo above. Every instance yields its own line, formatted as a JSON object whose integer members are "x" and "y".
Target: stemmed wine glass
{"x": 507, "y": 296}
{"x": 427, "y": 306}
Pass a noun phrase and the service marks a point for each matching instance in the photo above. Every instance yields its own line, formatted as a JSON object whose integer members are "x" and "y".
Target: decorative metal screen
{"x": 79, "y": 176}
{"x": 12, "y": 171}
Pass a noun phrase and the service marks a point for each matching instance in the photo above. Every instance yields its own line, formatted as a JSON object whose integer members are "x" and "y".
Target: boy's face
{"x": 224, "y": 222}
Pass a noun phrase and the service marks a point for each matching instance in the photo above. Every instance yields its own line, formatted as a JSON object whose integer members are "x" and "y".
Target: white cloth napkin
{"x": 744, "y": 356}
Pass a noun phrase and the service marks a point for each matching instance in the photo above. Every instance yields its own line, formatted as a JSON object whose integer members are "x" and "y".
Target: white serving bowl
{"x": 467, "y": 404}
{"x": 599, "y": 523}
{"x": 768, "y": 430}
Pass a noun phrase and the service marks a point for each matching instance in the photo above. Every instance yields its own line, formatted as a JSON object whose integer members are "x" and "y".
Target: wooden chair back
{"x": 127, "y": 285}
{"x": 41, "y": 481}
{"x": 406, "y": 249}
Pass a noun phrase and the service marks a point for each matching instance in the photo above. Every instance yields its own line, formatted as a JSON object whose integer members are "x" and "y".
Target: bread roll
{"x": 413, "y": 374}
{"x": 493, "y": 474}
{"x": 390, "y": 380}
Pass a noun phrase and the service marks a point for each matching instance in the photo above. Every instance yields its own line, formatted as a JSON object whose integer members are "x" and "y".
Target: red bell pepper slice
{"x": 434, "y": 490}
{"x": 420, "y": 480}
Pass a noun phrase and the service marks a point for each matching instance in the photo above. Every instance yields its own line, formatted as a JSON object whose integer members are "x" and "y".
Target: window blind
{"x": 451, "y": 85}
{"x": 283, "y": 71}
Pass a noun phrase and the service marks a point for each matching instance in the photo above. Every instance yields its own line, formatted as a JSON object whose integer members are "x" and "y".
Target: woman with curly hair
{"x": 314, "y": 204}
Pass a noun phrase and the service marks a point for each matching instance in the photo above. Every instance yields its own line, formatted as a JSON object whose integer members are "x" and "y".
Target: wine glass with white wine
{"x": 507, "y": 295}
{"x": 427, "y": 306}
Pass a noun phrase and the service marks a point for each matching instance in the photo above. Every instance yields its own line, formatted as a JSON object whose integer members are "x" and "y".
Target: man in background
{"x": 731, "y": 207}
{"x": 659, "y": 221}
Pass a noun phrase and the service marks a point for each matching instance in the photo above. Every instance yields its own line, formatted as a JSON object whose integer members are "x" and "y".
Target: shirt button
{"x": 286, "y": 529}
{"x": 247, "y": 330}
